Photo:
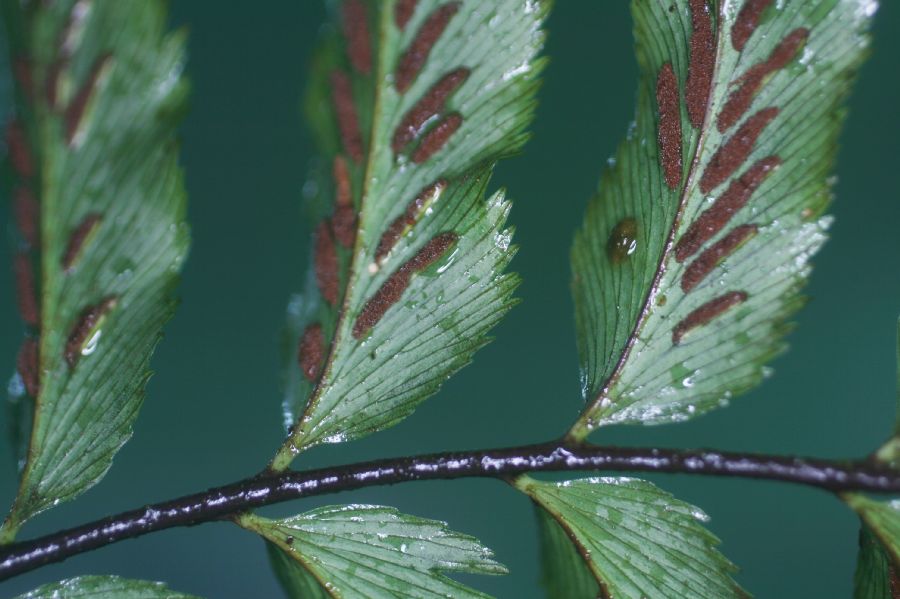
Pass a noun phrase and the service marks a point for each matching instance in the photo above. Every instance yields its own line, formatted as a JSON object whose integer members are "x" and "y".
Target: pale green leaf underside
{"x": 370, "y": 552}
{"x": 637, "y": 540}
{"x": 373, "y": 380}
{"x": 636, "y": 306}
{"x": 123, "y": 169}
{"x": 874, "y": 577}
{"x": 103, "y": 587}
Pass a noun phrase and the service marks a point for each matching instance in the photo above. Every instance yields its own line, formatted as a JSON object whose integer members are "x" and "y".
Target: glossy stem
{"x": 225, "y": 501}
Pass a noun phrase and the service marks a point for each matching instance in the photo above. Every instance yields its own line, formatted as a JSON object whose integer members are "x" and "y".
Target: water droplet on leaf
{"x": 622, "y": 240}
{"x": 91, "y": 345}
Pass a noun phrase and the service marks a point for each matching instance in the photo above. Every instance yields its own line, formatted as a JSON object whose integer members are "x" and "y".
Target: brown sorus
{"x": 409, "y": 217}
{"x": 732, "y": 154}
{"x": 28, "y": 366}
{"x": 669, "y": 133}
{"x": 747, "y": 21}
{"x": 709, "y": 258}
{"x": 87, "y": 323}
{"x": 403, "y": 12}
{"x": 76, "y": 240}
{"x": 19, "y": 152}
{"x": 326, "y": 264}
{"x": 342, "y": 190}
{"x": 435, "y": 139}
{"x": 706, "y": 313}
{"x": 22, "y": 71}
{"x": 713, "y": 219}
{"x": 26, "y": 294}
{"x": 342, "y": 97}
{"x": 343, "y": 221}
{"x": 415, "y": 56}
{"x": 427, "y": 108}
{"x": 432, "y": 250}
{"x": 356, "y": 30}
{"x": 700, "y": 63}
{"x": 343, "y": 224}
{"x": 392, "y": 289}
{"x": 27, "y": 214}
{"x": 749, "y": 83}
{"x": 392, "y": 234}
{"x": 311, "y": 351}
{"x": 75, "y": 111}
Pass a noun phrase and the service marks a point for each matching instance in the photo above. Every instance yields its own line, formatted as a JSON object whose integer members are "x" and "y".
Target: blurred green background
{"x": 213, "y": 409}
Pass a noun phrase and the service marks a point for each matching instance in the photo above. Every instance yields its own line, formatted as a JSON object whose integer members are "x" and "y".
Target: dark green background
{"x": 213, "y": 412}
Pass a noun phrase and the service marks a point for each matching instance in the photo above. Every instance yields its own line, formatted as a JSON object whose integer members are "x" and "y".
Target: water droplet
{"x": 310, "y": 190}
{"x": 91, "y": 345}
{"x": 807, "y": 56}
{"x": 449, "y": 261}
{"x": 16, "y": 387}
{"x": 622, "y": 241}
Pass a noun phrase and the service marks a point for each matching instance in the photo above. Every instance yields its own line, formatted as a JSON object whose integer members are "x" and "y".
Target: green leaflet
{"x": 875, "y": 576}
{"x": 93, "y": 153}
{"x": 370, "y": 552}
{"x": 103, "y": 587}
{"x": 411, "y": 110}
{"x": 695, "y": 247}
{"x": 638, "y": 541}
{"x": 564, "y": 572}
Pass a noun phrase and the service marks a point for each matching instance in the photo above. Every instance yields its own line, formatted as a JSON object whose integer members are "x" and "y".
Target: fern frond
{"x": 368, "y": 552}
{"x": 694, "y": 250}
{"x": 99, "y": 205}
{"x": 634, "y": 539}
{"x": 412, "y": 104}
